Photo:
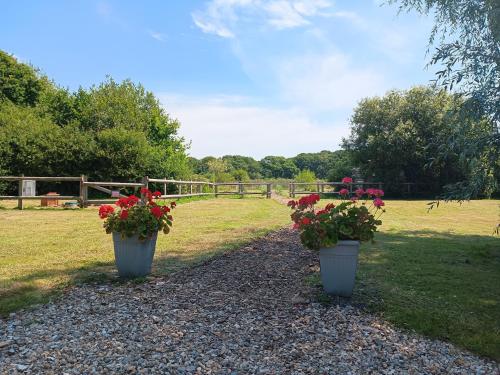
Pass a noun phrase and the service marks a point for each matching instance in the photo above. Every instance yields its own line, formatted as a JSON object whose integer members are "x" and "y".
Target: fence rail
{"x": 181, "y": 189}
{"x": 325, "y": 187}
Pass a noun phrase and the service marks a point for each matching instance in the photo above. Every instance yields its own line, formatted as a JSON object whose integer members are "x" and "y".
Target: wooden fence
{"x": 182, "y": 188}
{"x": 325, "y": 187}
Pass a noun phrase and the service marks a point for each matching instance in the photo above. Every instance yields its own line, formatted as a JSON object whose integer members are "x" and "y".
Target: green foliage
{"x": 240, "y": 175}
{"x": 278, "y": 167}
{"x": 305, "y": 176}
{"x": 325, "y": 164}
{"x": 217, "y": 169}
{"x": 111, "y": 131}
{"x": 33, "y": 145}
{"x": 249, "y": 164}
{"x": 19, "y": 83}
{"x": 466, "y": 35}
{"x": 394, "y": 138}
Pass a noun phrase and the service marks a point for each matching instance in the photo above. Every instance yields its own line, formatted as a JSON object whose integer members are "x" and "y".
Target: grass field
{"x": 44, "y": 250}
{"x": 437, "y": 273}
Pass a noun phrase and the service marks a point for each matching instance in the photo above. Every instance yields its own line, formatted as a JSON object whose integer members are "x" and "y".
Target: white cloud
{"x": 156, "y": 35}
{"x": 328, "y": 81}
{"x": 228, "y": 125}
{"x": 220, "y": 17}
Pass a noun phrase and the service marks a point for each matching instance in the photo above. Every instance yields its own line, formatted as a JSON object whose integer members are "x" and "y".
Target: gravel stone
{"x": 246, "y": 312}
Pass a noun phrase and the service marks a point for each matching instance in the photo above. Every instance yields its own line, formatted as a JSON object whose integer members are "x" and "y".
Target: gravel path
{"x": 245, "y": 312}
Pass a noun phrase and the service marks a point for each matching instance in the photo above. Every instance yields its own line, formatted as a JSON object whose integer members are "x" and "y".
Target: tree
{"x": 306, "y": 176}
{"x": 19, "y": 83}
{"x": 217, "y": 169}
{"x": 246, "y": 163}
{"x": 467, "y": 35}
{"x": 278, "y": 167}
{"x": 113, "y": 130}
{"x": 321, "y": 163}
{"x": 240, "y": 175}
{"x": 394, "y": 137}
{"x": 341, "y": 165}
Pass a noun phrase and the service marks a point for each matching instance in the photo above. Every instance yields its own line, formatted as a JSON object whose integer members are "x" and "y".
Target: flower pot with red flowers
{"x": 336, "y": 232}
{"x": 135, "y": 225}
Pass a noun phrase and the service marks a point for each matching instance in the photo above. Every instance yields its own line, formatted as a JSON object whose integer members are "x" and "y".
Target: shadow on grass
{"x": 42, "y": 285}
{"x": 443, "y": 285}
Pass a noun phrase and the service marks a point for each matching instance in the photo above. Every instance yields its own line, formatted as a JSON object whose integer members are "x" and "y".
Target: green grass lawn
{"x": 44, "y": 250}
{"x": 437, "y": 272}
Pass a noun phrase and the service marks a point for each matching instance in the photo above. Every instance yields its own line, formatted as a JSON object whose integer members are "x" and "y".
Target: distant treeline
{"x": 327, "y": 165}
{"x": 118, "y": 131}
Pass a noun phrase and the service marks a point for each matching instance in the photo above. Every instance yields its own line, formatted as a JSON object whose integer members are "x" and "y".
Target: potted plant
{"x": 336, "y": 231}
{"x": 135, "y": 226}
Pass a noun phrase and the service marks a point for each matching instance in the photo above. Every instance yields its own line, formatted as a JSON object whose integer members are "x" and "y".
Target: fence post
{"x": 268, "y": 193}
{"x": 165, "y": 187}
{"x": 240, "y": 189}
{"x": 145, "y": 183}
{"x": 190, "y": 188}
{"x": 216, "y": 189}
{"x": 20, "y": 194}
{"x": 317, "y": 188}
{"x": 83, "y": 191}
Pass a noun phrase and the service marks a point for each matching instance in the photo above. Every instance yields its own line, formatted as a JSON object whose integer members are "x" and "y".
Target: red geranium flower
{"x": 156, "y": 194}
{"x": 122, "y": 202}
{"x": 124, "y": 214}
{"x": 347, "y": 180}
{"x": 157, "y": 211}
{"x": 105, "y": 211}
{"x": 173, "y": 204}
{"x": 305, "y": 221}
{"x": 165, "y": 209}
{"x": 132, "y": 200}
{"x": 359, "y": 192}
{"x": 378, "y": 202}
{"x": 344, "y": 192}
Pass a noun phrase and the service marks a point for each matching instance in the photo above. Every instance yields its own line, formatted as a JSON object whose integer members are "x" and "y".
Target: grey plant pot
{"x": 338, "y": 267}
{"x": 133, "y": 257}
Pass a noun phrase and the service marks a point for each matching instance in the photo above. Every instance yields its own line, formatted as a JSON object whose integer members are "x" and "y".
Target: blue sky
{"x": 250, "y": 77}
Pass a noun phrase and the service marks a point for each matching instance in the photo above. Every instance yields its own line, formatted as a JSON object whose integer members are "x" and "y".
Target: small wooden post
{"x": 83, "y": 190}
{"x": 145, "y": 184}
{"x": 317, "y": 188}
{"x": 191, "y": 188}
{"x": 290, "y": 189}
{"x": 165, "y": 188}
{"x": 216, "y": 189}
{"x": 20, "y": 193}
{"x": 180, "y": 189}
{"x": 240, "y": 189}
{"x": 268, "y": 193}
{"x": 322, "y": 187}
